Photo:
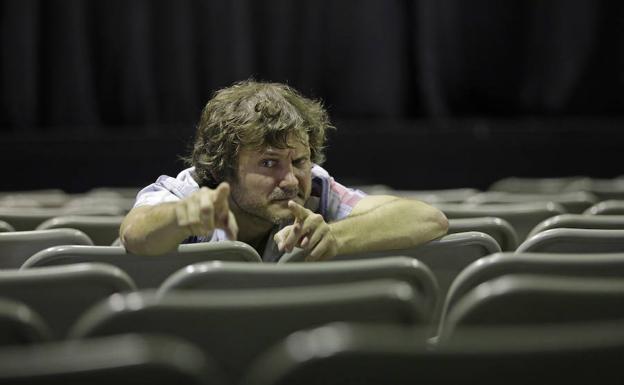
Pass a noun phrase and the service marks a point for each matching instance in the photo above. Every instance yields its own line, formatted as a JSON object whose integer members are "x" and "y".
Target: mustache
{"x": 280, "y": 194}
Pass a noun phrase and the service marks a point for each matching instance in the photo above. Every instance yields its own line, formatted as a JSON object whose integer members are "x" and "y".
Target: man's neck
{"x": 252, "y": 230}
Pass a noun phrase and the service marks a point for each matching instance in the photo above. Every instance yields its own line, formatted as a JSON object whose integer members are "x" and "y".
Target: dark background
{"x": 424, "y": 93}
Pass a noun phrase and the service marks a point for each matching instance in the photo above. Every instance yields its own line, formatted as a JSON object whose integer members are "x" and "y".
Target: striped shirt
{"x": 328, "y": 198}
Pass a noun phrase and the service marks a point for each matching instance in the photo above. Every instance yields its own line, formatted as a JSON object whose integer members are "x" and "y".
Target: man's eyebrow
{"x": 272, "y": 151}
{"x": 281, "y": 152}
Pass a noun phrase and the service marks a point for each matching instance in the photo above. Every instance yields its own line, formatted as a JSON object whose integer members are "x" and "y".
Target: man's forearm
{"x": 387, "y": 223}
{"x": 152, "y": 230}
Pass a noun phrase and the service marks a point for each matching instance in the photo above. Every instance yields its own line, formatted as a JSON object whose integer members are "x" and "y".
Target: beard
{"x": 273, "y": 209}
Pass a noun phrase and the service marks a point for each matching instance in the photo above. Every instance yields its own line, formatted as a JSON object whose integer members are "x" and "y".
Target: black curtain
{"x": 108, "y": 65}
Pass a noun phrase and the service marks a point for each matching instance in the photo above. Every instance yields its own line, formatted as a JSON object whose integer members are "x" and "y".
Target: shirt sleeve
{"x": 336, "y": 200}
{"x": 341, "y": 200}
{"x": 167, "y": 189}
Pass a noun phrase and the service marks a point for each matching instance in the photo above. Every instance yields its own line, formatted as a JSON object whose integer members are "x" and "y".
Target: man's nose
{"x": 289, "y": 179}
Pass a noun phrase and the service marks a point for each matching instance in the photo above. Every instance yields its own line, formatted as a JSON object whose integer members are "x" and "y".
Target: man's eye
{"x": 300, "y": 162}
{"x": 269, "y": 163}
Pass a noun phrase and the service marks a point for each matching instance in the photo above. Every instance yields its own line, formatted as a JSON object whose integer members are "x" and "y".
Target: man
{"x": 255, "y": 177}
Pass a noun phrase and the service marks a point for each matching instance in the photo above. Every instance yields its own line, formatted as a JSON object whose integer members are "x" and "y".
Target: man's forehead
{"x": 293, "y": 149}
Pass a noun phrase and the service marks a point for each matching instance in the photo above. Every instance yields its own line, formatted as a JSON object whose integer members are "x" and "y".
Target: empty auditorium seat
{"x": 5, "y": 227}
{"x": 522, "y": 216}
{"x": 24, "y": 219}
{"x": 574, "y": 241}
{"x": 34, "y": 198}
{"x": 234, "y": 327}
{"x": 446, "y": 256}
{"x": 457, "y": 195}
{"x": 103, "y": 230}
{"x": 124, "y": 192}
{"x": 218, "y": 275}
{"x": 122, "y": 205}
{"x": 572, "y": 202}
{"x": 19, "y": 324}
{"x": 501, "y": 264}
{"x": 524, "y": 299}
{"x": 17, "y": 246}
{"x": 608, "y": 207}
{"x": 122, "y": 359}
{"x": 346, "y": 353}
{"x": 497, "y": 228}
{"x": 604, "y": 189}
{"x": 536, "y": 185}
{"x": 145, "y": 271}
{"x": 576, "y": 221}
{"x": 59, "y": 294}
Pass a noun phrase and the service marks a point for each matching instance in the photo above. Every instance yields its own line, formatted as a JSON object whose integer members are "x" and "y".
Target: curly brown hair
{"x": 257, "y": 114}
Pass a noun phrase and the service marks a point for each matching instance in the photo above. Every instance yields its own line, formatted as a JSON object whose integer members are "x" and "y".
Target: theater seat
{"x": 102, "y": 230}
{"x": 502, "y": 264}
{"x": 608, "y": 207}
{"x": 529, "y": 299}
{"x": 574, "y": 241}
{"x": 347, "y": 353}
{"x": 121, "y": 359}
{"x": 497, "y": 228}
{"x": 20, "y": 324}
{"x": 576, "y": 221}
{"x": 235, "y": 326}
{"x": 17, "y": 246}
{"x": 59, "y": 294}
{"x": 5, "y": 227}
{"x": 522, "y": 216}
{"x": 145, "y": 271}
{"x": 221, "y": 275}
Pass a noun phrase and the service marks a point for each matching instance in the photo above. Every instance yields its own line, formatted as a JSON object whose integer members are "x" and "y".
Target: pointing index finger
{"x": 300, "y": 212}
{"x": 221, "y": 194}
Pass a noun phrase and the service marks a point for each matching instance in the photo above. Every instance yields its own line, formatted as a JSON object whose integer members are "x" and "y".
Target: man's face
{"x": 268, "y": 178}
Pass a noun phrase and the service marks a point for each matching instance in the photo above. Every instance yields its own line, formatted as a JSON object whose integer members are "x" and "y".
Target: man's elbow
{"x": 434, "y": 223}
{"x": 440, "y": 223}
{"x": 132, "y": 242}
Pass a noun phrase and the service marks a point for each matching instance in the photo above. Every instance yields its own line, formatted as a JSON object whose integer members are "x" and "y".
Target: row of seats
{"x": 60, "y": 293}
{"x": 508, "y": 224}
{"x": 446, "y": 257}
{"x": 454, "y": 310}
{"x": 336, "y": 354}
{"x": 522, "y": 208}
{"x": 240, "y": 328}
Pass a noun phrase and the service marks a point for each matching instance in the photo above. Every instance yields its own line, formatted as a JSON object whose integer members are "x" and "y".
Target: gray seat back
{"x": 522, "y": 216}
{"x": 574, "y": 241}
{"x": 347, "y": 353}
{"x": 25, "y": 219}
{"x": 102, "y": 230}
{"x": 497, "y": 228}
{"x": 218, "y": 275}
{"x": 122, "y": 359}
{"x": 17, "y": 246}
{"x": 19, "y": 324}
{"x": 522, "y": 185}
{"x": 502, "y": 264}
{"x": 236, "y": 326}
{"x": 577, "y": 221}
{"x": 518, "y": 299}
{"x": 446, "y": 256}
{"x": 5, "y": 227}
{"x": 61, "y": 293}
{"x": 146, "y": 271}
{"x": 607, "y": 207}
{"x": 572, "y": 202}
{"x": 456, "y": 195}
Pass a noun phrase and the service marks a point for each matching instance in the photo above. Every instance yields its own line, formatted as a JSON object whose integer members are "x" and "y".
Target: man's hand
{"x": 309, "y": 232}
{"x": 206, "y": 210}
